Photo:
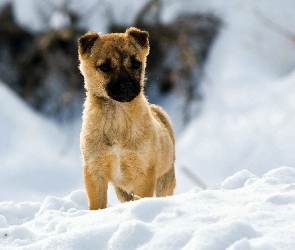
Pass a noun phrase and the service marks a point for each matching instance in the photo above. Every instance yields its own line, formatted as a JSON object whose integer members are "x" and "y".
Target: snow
{"x": 241, "y": 146}
{"x": 93, "y": 15}
{"x": 258, "y": 214}
{"x": 37, "y": 158}
{"x": 59, "y": 20}
{"x": 248, "y": 115}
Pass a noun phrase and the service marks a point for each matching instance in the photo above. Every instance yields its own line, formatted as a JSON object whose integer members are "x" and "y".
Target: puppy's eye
{"x": 105, "y": 67}
{"x": 135, "y": 64}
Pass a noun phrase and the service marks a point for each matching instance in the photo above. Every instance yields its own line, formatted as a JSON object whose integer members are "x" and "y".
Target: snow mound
{"x": 37, "y": 158}
{"x": 238, "y": 180}
{"x": 237, "y": 216}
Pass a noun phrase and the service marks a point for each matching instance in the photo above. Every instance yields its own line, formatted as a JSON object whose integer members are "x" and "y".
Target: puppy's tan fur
{"x": 130, "y": 144}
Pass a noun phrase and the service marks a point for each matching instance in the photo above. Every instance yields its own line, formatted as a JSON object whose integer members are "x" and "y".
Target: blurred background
{"x": 39, "y": 48}
{"x": 223, "y": 70}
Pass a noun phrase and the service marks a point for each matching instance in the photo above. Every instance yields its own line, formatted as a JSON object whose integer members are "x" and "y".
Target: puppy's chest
{"x": 123, "y": 133}
{"x": 121, "y": 164}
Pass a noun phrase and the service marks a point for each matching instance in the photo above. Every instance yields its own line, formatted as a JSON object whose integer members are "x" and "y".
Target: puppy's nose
{"x": 126, "y": 85}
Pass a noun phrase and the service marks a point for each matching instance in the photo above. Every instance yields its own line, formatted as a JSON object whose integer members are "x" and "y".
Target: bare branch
{"x": 193, "y": 177}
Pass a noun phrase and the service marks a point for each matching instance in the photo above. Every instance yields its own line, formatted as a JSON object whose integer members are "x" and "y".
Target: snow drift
{"x": 246, "y": 213}
{"x": 37, "y": 157}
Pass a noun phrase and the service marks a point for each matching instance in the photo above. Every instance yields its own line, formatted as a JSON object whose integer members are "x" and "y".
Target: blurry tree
{"x": 13, "y": 40}
{"x": 43, "y": 68}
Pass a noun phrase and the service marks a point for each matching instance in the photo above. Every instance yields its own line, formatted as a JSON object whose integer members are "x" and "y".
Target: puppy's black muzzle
{"x": 123, "y": 91}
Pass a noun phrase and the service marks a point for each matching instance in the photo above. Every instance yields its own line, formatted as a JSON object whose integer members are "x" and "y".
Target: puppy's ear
{"x": 86, "y": 42}
{"x": 140, "y": 36}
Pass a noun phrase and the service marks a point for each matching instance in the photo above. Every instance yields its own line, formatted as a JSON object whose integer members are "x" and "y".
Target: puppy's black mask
{"x": 124, "y": 88}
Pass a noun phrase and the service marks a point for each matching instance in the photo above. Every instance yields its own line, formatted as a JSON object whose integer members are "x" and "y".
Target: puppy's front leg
{"x": 166, "y": 184}
{"x": 144, "y": 185}
{"x": 96, "y": 188}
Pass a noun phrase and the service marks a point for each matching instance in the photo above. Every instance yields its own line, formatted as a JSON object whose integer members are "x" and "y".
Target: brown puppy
{"x": 124, "y": 139}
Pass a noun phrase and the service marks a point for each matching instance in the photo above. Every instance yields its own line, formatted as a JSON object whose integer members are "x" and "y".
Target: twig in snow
{"x": 193, "y": 177}
{"x": 280, "y": 29}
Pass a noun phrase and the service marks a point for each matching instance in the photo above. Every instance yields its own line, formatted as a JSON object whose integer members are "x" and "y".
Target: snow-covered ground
{"x": 246, "y": 213}
{"x": 236, "y": 146}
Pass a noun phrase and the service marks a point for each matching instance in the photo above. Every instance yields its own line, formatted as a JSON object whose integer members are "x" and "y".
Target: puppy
{"x": 124, "y": 139}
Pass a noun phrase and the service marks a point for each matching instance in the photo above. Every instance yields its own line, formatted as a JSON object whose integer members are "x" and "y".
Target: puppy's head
{"x": 113, "y": 65}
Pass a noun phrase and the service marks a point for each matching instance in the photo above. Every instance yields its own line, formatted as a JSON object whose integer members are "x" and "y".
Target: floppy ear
{"x": 86, "y": 42}
{"x": 140, "y": 36}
